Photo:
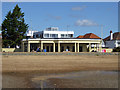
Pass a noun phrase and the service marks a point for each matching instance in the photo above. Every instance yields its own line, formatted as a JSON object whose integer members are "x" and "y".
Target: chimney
{"x": 111, "y": 35}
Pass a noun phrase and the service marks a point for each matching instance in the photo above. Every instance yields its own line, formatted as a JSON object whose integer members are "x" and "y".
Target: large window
{"x": 70, "y": 35}
{"x": 62, "y": 35}
{"x": 66, "y": 35}
{"x": 46, "y": 35}
{"x": 37, "y": 36}
{"x": 53, "y": 35}
{"x": 118, "y": 42}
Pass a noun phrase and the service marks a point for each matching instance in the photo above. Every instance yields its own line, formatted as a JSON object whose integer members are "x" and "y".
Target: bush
{"x": 116, "y": 49}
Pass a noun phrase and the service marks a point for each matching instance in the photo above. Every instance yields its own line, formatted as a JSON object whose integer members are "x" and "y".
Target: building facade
{"x": 30, "y": 33}
{"x": 53, "y": 40}
{"x": 53, "y": 32}
{"x": 113, "y": 40}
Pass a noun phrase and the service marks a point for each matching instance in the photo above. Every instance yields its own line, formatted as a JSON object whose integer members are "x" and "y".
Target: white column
{"x": 89, "y": 47}
{"x": 100, "y": 47}
{"x": 54, "y": 47}
{"x": 58, "y": 47}
{"x": 41, "y": 46}
{"x": 78, "y": 47}
{"x": 97, "y": 47}
{"x": 28, "y": 47}
{"x": 75, "y": 47}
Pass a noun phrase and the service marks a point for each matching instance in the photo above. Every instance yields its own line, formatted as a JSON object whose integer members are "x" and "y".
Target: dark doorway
{"x": 43, "y": 47}
{"x": 80, "y": 49}
{"x": 73, "y": 50}
{"x": 51, "y": 49}
{"x": 56, "y": 48}
{"x": 62, "y": 49}
{"x": 47, "y": 48}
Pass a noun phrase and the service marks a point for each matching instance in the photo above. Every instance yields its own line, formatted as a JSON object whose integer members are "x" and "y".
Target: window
{"x": 46, "y": 35}
{"x": 62, "y": 35}
{"x": 53, "y": 35}
{"x": 33, "y": 36}
{"x": 70, "y": 35}
{"x": 37, "y": 36}
{"x": 54, "y": 29}
{"x": 118, "y": 42}
{"x": 66, "y": 35}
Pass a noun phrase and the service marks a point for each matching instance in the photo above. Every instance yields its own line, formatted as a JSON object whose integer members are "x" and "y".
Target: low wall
{"x": 11, "y": 50}
{"x": 103, "y": 49}
{"x": 60, "y": 53}
{"x": 8, "y": 49}
{"x": 108, "y": 49}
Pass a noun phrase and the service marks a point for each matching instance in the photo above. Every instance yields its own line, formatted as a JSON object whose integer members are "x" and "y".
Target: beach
{"x": 60, "y": 71}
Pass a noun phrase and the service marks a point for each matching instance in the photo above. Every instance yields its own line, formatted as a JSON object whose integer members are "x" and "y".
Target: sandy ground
{"x": 21, "y": 71}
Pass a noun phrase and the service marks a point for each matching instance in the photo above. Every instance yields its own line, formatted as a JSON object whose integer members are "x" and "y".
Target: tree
{"x": 13, "y": 28}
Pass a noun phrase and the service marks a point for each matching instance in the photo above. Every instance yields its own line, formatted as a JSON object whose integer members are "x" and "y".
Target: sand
{"x": 25, "y": 71}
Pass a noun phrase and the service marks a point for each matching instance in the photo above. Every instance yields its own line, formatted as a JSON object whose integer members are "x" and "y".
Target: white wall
{"x": 117, "y": 43}
{"x": 30, "y": 33}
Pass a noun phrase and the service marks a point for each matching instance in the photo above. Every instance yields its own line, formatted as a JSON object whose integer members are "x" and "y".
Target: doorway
{"x": 47, "y": 49}
{"x": 80, "y": 48}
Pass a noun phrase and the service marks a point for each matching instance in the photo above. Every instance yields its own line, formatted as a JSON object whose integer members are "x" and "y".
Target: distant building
{"x": 53, "y": 40}
{"x": 113, "y": 40}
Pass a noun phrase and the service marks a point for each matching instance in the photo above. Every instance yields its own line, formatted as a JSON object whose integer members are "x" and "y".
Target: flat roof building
{"x": 53, "y": 40}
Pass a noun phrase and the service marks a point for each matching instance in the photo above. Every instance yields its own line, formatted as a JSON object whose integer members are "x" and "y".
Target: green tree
{"x": 13, "y": 28}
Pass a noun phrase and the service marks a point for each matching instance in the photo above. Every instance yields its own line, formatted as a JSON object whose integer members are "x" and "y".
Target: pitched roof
{"x": 89, "y": 36}
{"x": 80, "y": 36}
{"x": 116, "y": 36}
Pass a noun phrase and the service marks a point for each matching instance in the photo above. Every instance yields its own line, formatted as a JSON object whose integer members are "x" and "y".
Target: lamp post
{"x": 100, "y": 48}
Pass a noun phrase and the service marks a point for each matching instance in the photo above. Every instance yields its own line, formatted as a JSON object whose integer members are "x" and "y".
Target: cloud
{"x": 54, "y": 17}
{"x": 78, "y": 8}
{"x": 85, "y": 22}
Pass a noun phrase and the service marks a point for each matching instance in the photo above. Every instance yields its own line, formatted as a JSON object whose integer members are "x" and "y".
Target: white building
{"x": 53, "y": 32}
{"x": 53, "y": 40}
{"x": 113, "y": 40}
{"x": 29, "y": 33}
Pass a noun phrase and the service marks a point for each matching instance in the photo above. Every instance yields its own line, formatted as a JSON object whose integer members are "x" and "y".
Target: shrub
{"x": 116, "y": 49}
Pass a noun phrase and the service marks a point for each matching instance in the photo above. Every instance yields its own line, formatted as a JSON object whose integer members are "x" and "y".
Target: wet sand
{"x": 83, "y": 79}
{"x": 29, "y": 71}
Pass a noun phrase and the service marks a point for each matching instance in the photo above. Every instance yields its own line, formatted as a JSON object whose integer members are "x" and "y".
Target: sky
{"x": 80, "y": 17}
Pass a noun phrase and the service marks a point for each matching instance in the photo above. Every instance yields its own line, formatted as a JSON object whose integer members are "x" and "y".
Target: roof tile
{"x": 89, "y": 36}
